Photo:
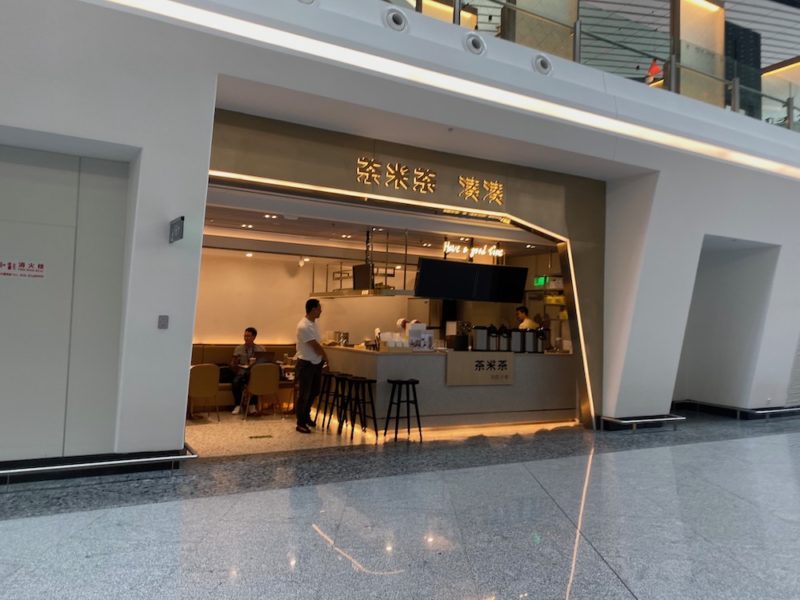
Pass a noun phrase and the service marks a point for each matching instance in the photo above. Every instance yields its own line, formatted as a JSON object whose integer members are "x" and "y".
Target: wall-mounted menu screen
{"x": 456, "y": 280}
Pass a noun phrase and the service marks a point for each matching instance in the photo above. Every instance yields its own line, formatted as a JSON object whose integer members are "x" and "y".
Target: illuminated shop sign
{"x": 473, "y": 251}
{"x": 397, "y": 175}
{"x": 473, "y": 188}
{"x": 422, "y": 180}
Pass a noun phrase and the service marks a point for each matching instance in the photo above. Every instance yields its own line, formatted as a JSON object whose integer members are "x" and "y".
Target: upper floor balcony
{"x": 742, "y": 56}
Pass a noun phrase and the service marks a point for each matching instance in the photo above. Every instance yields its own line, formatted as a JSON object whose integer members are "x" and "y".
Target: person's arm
{"x": 235, "y": 361}
{"x": 319, "y": 349}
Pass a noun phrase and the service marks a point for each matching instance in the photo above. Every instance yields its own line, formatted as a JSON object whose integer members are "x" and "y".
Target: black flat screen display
{"x": 457, "y": 280}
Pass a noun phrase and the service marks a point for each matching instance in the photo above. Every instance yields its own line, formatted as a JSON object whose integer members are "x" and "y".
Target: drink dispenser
{"x": 480, "y": 338}
{"x": 530, "y": 340}
{"x": 517, "y": 340}
{"x": 503, "y": 339}
{"x": 492, "y": 337}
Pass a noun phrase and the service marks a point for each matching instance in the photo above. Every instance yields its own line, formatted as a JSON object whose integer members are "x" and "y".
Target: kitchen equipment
{"x": 530, "y": 340}
{"x": 503, "y": 339}
{"x": 480, "y": 338}
{"x": 517, "y": 341}
{"x": 492, "y": 337}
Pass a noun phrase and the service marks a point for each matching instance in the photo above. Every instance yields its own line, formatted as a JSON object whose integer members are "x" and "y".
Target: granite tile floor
{"x": 566, "y": 514}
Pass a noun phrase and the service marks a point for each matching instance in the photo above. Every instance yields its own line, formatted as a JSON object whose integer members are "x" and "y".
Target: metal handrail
{"x": 530, "y": 13}
{"x": 577, "y": 31}
{"x": 620, "y": 45}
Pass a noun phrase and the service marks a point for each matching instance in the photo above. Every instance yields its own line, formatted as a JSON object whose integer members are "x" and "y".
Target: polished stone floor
{"x": 711, "y": 511}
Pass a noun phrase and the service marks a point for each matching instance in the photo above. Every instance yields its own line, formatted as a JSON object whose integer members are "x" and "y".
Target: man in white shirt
{"x": 310, "y": 359}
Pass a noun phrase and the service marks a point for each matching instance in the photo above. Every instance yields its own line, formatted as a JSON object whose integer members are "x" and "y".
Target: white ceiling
{"x": 315, "y": 111}
{"x": 261, "y": 216}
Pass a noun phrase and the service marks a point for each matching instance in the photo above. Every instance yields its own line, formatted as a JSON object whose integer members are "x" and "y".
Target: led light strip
{"x": 294, "y": 185}
{"x": 448, "y": 83}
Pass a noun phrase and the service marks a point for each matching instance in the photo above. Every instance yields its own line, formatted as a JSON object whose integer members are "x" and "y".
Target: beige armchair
{"x": 203, "y": 387}
{"x": 264, "y": 382}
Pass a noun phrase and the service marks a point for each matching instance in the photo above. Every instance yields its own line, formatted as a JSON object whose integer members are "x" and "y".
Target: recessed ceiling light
{"x": 249, "y": 226}
{"x": 399, "y": 267}
{"x": 306, "y": 259}
{"x": 274, "y": 216}
{"x": 244, "y": 225}
{"x": 249, "y": 255}
{"x": 267, "y": 216}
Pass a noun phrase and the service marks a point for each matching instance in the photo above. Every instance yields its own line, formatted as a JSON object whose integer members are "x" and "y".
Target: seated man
{"x": 244, "y": 356}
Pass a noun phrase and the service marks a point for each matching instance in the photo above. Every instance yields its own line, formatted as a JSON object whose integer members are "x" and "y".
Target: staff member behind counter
{"x": 311, "y": 358}
{"x": 525, "y": 322}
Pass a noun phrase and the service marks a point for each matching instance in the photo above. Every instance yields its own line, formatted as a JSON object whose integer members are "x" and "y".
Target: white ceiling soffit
{"x": 327, "y": 211}
{"x": 273, "y": 102}
{"x": 644, "y": 25}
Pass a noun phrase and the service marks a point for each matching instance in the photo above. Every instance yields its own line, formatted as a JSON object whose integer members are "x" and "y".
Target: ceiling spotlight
{"x": 249, "y": 226}
{"x": 267, "y": 216}
{"x": 249, "y": 255}
{"x": 530, "y": 246}
{"x": 399, "y": 268}
{"x": 274, "y": 216}
{"x": 380, "y": 228}
{"x": 244, "y": 224}
{"x": 306, "y": 259}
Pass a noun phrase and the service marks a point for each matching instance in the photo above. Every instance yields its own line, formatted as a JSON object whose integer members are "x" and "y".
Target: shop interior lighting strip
{"x": 430, "y": 78}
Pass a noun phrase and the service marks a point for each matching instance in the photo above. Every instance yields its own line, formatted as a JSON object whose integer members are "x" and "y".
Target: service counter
{"x": 543, "y": 386}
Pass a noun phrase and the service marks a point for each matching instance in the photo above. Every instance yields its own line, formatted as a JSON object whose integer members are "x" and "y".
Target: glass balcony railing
{"x": 636, "y": 48}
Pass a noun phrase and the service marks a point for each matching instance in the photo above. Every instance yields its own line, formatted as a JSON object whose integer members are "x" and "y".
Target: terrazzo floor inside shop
{"x": 710, "y": 511}
{"x": 232, "y": 435}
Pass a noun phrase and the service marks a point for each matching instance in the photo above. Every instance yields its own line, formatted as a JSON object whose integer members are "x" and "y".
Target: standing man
{"x": 310, "y": 360}
{"x": 244, "y": 356}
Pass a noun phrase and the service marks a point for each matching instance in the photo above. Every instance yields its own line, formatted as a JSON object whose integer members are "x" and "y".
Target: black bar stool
{"x": 359, "y": 399}
{"x": 396, "y": 398}
{"x": 338, "y": 400}
{"x": 325, "y": 394}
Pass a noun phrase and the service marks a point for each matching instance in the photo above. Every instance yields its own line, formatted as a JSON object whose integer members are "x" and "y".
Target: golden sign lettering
{"x": 424, "y": 181}
{"x": 470, "y": 188}
{"x": 397, "y": 175}
{"x": 368, "y": 171}
{"x": 494, "y": 192}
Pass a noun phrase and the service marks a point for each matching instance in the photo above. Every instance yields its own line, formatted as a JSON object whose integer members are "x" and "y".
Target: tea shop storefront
{"x": 465, "y": 207}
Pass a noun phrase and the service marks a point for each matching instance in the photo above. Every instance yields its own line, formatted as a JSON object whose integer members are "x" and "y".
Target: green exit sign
{"x": 539, "y": 281}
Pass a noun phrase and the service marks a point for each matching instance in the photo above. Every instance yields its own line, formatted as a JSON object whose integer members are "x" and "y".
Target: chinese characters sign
{"x": 482, "y": 190}
{"x": 426, "y": 182}
{"x": 480, "y": 368}
{"x": 24, "y": 269}
{"x": 395, "y": 175}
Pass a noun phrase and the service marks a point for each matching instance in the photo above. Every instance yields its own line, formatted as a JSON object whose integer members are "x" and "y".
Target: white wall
{"x": 38, "y": 208}
{"x": 267, "y": 291}
{"x": 96, "y": 328}
{"x": 62, "y": 331}
{"x": 726, "y": 319}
